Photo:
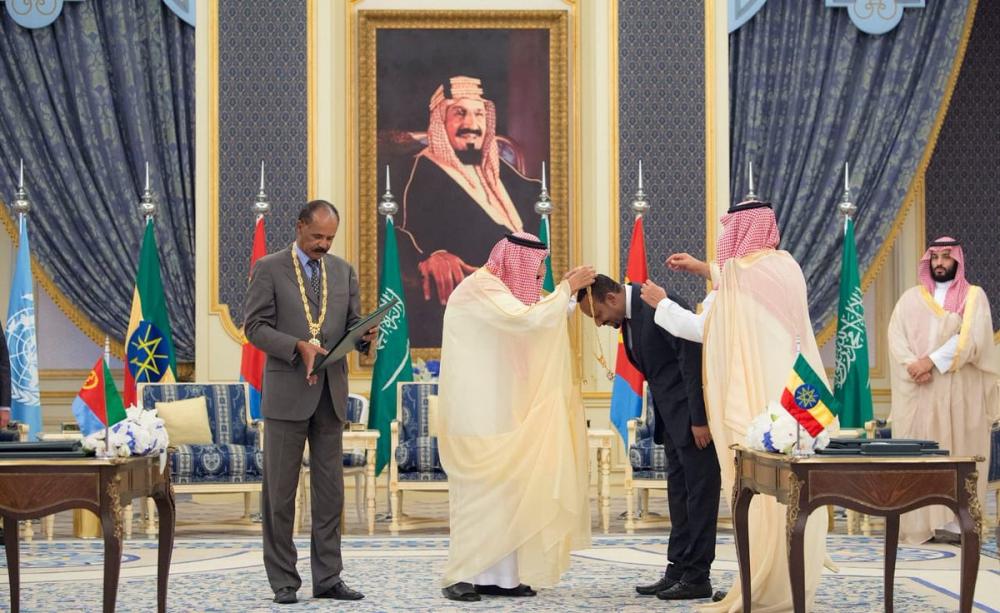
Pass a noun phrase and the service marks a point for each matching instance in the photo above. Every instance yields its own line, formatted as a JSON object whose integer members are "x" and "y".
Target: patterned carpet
{"x": 400, "y": 574}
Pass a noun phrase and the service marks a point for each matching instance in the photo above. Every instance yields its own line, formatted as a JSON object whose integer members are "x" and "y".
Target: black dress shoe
{"x": 340, "y": 592}
{"x": 521, "y": 590}
{"x": 720, "y": 595}
{"x": 463, "y": 592}
{"x": 285, "y": 595}
{"x": 683, "y": 590}
{"x": 665, "y": 583}
{"x": 946, "y": 536}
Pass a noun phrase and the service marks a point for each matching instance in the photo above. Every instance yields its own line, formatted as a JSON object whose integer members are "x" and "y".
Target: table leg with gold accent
{"x": 13, "y": 569}
{"x": 166, "y": 507}
{"x": 111, "y": 524}
{"x": 970, "y": 519}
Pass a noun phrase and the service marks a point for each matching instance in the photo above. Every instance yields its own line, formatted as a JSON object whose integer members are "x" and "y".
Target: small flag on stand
{"x": 807, "y": 398}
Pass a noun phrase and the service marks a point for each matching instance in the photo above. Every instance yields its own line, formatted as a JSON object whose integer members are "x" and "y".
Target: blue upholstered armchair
{"x": 415, "y": 463}
{"x": 647, "y": 466}
{"x": 234, "y": 461}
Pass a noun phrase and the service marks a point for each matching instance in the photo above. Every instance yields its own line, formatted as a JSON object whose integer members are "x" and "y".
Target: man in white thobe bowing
{"x": 944, "y": 371}
{"x": 511, "y": 428}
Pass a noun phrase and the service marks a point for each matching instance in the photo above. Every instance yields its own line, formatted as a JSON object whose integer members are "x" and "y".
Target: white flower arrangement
{"x": 776, "y": 430}
{"x": 140, "y": 433}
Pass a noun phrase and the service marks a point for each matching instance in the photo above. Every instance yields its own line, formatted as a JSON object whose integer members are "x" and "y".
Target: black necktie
{"x": 315, "y": 277}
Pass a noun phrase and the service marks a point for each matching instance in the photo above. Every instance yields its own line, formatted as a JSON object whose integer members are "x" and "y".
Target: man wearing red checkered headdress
{"x": 753, "y": 326}
{"x": 944, "y": 371}
{"x": 510, "y": 427}
{"x": 461, "y": 198}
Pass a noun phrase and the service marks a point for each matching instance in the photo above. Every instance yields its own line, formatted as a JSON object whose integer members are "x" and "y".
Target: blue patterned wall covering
{"x": 263, "y": 105}
{"x": 962, "y": 180}
{"x": 661, "y": 118}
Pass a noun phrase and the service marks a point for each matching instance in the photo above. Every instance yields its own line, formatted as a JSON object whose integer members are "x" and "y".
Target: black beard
{"x": 948, "y": 275}
{"x": 470, "y": 157}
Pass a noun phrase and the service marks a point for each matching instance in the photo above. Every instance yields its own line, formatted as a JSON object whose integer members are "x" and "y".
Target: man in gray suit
{"x": 300, "y": 299}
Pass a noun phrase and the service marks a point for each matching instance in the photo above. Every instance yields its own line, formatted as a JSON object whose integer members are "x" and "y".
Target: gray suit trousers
{"x": 284, "y": 443}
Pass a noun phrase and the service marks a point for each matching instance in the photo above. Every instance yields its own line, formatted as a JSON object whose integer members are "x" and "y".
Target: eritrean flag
{"x": 252, "y": 362}
{"x": 807, "y": 398}
{"x": 98, "y": 404}
{"x": 149, "y": 346}
{"x": 626, "y": 391}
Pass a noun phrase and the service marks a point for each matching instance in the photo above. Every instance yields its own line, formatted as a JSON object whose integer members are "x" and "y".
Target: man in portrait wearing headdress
{"x": 944, "y": 371}
{"x": 753, "y": 325}
{"x": 511, "y": 428}
{"x": 460, "y": 199}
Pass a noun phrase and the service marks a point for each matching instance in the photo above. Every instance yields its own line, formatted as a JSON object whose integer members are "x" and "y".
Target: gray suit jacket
{"x": 275, "y": 321}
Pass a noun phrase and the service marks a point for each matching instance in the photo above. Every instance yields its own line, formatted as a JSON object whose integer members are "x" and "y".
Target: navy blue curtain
{"x": 87, "y": 102}
{"x": 808, "y": 92}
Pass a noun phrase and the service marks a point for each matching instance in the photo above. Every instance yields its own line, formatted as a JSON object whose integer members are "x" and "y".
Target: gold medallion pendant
{"x": 314, "y": 326}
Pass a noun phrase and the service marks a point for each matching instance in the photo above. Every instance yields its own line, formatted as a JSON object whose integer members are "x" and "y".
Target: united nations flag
{"x": 21, "y": 340}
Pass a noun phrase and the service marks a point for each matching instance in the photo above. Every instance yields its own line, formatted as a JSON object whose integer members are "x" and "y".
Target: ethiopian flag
{"x": 807, "y": 398}
{"x": 98, "y": 404}
{"x": 149, "y": 346}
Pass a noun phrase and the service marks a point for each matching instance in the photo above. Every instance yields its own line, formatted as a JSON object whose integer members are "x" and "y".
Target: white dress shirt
{"x": 681, "y": 322}
{"x": 944, "y": 356}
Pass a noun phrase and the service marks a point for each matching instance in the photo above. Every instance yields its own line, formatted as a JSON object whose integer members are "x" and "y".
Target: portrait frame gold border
{"x": 369, "y": 22}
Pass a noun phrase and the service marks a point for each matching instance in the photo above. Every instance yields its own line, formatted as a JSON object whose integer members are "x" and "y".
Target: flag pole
{"x": 387, "y": 208}
{"x": 108, "y": 453}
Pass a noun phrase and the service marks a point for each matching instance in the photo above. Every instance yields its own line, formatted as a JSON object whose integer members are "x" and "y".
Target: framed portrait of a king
{"x": 462, "y": 108}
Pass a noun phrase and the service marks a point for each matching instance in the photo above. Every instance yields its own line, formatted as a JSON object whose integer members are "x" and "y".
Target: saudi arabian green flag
{"x": 392, "y": 363}
{"x": 549, "y": 285}
{"x": 851, "y": 386}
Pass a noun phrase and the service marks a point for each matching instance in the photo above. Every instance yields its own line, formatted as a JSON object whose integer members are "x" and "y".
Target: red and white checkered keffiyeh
{"x": 517, "y": 266}
{"x": 746, "y": 231}
{"x": 440, "y": 151}
{"x": 954, "y": 300}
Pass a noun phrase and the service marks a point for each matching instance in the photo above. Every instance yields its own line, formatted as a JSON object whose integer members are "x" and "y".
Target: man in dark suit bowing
{"x": 300, "y": 299}
{"x": 672, "y": 367}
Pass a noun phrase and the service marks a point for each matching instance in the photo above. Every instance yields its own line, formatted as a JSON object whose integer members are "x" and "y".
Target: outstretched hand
{"x": 579, "y": 278}
{"x": 447, "y": 270}
{"x": 685, "y": 262}
{"x": 652, "y": 293}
